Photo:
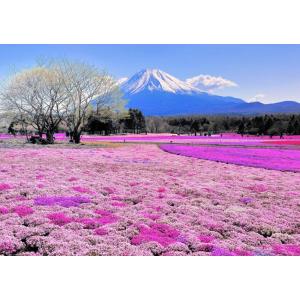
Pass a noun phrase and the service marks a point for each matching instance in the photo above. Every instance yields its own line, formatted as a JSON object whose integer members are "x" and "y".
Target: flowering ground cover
{"x": 274, "y": 159}
{"x": 140, "y": 200}
{"x": 224, "y": 139}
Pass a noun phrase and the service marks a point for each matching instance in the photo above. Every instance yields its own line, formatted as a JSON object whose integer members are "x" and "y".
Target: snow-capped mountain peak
{"x": 156, "y": 80}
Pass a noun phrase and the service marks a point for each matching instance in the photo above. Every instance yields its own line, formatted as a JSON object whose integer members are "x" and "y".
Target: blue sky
{"x": 268, "y": 73}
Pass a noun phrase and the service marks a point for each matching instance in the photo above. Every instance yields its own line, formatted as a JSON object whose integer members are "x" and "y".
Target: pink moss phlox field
{"x": 140, "y": 200}
{"x": 274, "y": 159}
{"x": 224, "y": 139}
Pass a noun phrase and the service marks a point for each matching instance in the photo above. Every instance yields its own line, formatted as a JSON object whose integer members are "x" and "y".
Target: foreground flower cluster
{"x": 140, "y": 200}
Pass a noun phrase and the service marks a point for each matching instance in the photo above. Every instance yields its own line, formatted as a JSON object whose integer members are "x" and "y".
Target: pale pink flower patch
{"x": 241, "y": 252}
{"x": 7, "y": 247}
{"x": 109, "y": 190}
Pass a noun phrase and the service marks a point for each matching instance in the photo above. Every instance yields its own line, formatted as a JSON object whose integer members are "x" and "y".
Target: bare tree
{"x": 37, "y": 98}
{"x": 86, "y": 88}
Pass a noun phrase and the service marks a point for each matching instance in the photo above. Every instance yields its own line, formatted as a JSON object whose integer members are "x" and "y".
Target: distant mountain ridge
{"x": 155, "y": 92}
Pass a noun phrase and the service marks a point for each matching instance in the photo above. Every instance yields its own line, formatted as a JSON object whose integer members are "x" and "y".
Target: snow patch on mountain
{"x": 156, "y": 80}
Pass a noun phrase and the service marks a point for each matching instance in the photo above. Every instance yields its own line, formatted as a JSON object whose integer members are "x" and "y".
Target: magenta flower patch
{"x": 72, "y": 179}
{"x": 286, "y": 249}
{"x": 161, "y": 233}
{"x": 119, "y": 204}
{"x": 60, "y": 200}
{"x": 206, "y": 238}
{"x": 100, "y": 231}
{"x": 106, "y": 217}
{"x": 4, "y": 210}
{"x": 59, "y": 219}
{"x": 23, "y": 211}
{"x": 4, "y": 186}
{"x": 246, "y": 200}
{"x": 81, "y": 189}
{"x": 89, "y": 223}
{"x": 218, "y": 251}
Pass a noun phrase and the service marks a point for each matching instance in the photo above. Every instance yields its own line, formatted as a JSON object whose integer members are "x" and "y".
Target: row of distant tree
{"x": 205, "y": 125}
{"x": 135, "y": 122}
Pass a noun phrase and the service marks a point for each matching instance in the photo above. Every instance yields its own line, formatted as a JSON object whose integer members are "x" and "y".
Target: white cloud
{"x": 210, "y": 83}
{"x": 258, "y": 97}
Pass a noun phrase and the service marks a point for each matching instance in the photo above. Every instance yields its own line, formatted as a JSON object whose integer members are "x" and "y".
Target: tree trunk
{"x": 50, "y": 137}
{"x": 76, "y": 137}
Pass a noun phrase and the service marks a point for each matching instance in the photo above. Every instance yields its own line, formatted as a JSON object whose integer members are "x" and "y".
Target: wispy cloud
{"x": 210, "y": 83}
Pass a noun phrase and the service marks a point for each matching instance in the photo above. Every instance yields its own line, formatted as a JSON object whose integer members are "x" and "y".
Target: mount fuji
{"x": 155, "y": 92}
